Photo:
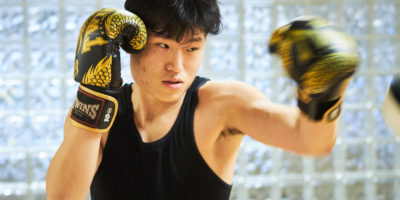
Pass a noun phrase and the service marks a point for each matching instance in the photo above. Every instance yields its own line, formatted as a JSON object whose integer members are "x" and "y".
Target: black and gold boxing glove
{"x": 391, "y": 106}
{"x": 320, "y": 59}
{"x": 97, "y": 65}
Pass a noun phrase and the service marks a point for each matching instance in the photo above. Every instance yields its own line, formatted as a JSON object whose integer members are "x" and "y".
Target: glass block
{"x": 11, "y": 2}
{"x": 260, "y": 193}
{"x": 12, "y": 94}
{"x": 125, "y": 68}
{"x": 70, "y": 59}
{"x": 13, "y": 197}
{"x": 11, "y": 59}
{"x": 355, "y": 123}
{"x": 291, "y": 163}
{"x": 203, "y": 70}
{"x": 113, "y": 4}
{"x": 125, "y": 62}
{"x": 46, "y": 129}
{"x": 258, "y": 60}
{"x": 13, "y": 191}
{"x": 258, "y": 159}
{"x": 265, "y": 85}
{"x": 324, "y": 190}
{"x": 45, "y": 60}
{"x": 234, "y": 192}
{"x": 71, "y": 91}
{"x": 230, "y": 18}
{"x": 364, "y": 45}
{"x": 355, "y": 158}
{"x": 74, "y": 19}
{"x": 127, "y": 79}
{"x": 12, "y": 167}
{"x": 11, "y": 23}
{"x": 384, "y": 18}
{"x": 13, "y": 130}
{"x": 324, "y": 164}
{"x": 292, "y": 191}
{"x": 386, "y": 1}
{"x": 45, "y": 94}
{"x": 381, "y": 83}
{"x": 385, "y": 54}
{"x": 356, "y": 17}
{"x": 327, "y": 10}
{"x": 258, "y": 18}
{"x": 224, "y": 57}
{"x": 385, "y": 189}
{"x": 287, "y": 13}
{"x": 39, "y": 189}
{"x": 286, "y": 91}
{"x": 381, "y": 129}
{"x": 39, "y": 2}
{"x": 39, "y": 164}
{"x": 355, "y": 189}
{"x": 358, "y": 91}
{"x": 41, "y": 196}
{"x": 385, "y": 156}
{"x": 43, "y": 22}
{"x": 224, "y": 77}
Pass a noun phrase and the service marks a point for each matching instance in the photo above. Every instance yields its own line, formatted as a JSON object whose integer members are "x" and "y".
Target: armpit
{"x": 231, "y": 131}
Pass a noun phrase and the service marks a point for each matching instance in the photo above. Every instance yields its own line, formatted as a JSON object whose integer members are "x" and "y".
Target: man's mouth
{"x": 173, "y": 84}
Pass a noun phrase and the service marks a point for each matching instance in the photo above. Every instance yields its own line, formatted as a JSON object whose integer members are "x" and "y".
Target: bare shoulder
{"x": 221, "y": 100}
{"x": 212, "y": 112}
{"x": 229, "y": 93}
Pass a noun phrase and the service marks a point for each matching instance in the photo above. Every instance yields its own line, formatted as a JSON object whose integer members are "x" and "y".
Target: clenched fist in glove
{"x": 320, "y": 59}
{"x": 98, "y": 68}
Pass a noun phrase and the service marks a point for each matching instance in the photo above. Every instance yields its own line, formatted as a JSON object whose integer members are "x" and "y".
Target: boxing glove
{"x": 97, "y": 65}
{"x": 320, "y": 59}
{"x": 391, "y": 106}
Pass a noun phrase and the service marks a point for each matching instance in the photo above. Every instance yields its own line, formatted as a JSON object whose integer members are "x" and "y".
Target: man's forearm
{"x": 72, "y": 168}
{"x": 317, "y": 137}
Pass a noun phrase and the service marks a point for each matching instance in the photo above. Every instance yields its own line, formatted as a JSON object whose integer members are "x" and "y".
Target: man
{"x": 176, "y": 135}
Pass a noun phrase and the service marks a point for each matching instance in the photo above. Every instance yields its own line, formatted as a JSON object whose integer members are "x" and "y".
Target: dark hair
{"x": 176, "y": 18}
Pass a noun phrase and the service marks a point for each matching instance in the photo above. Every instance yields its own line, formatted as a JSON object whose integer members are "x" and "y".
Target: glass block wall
{"x": 37, "y": 47}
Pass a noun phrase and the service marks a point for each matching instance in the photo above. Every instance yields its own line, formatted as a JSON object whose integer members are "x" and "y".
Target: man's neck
{"x": 147, "y": 108}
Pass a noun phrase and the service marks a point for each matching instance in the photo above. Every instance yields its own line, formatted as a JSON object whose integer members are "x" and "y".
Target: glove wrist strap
{"x": 93, "y": 111}
{"x": 321, "y": 111}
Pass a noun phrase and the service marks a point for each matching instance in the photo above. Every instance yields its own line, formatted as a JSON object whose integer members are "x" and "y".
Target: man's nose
{"x": 175, "y": 62}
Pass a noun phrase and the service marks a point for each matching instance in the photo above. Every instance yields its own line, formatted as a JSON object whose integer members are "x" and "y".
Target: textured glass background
{"x": 37, "y": 48}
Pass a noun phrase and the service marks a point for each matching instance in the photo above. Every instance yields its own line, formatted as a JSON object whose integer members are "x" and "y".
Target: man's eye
{"x": 192, "y": 49}
{"x": 162, "y": 45}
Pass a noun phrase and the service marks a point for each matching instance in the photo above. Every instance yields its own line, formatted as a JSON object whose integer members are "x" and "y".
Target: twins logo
{"x": 90, "y": 110}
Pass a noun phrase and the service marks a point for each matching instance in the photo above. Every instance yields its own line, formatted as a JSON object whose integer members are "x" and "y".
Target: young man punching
{"x": 172, "y": 134}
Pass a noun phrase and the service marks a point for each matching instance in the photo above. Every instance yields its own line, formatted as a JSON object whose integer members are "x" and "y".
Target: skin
{"x": 226, "y": 112}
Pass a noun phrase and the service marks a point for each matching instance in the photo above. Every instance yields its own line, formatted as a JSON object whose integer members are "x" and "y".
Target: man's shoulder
{"x": 225, "y": 89}
{"x": 224, "y": 93}
{"x": 228, "y": 96}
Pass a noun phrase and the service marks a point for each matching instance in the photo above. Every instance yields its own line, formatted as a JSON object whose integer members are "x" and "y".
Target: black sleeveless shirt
{"x": 169, "y": 168}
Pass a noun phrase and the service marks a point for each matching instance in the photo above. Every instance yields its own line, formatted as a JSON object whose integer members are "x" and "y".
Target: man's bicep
{"x": 256, "y": 116}
{"x": 73, "y": 166}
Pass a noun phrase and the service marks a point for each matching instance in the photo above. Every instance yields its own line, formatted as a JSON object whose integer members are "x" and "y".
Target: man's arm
{"x": 72, "y": 168}
{"x": 320, "y": 59}
{"x": 98, "y": 70}
{"x": 282, "y": 126}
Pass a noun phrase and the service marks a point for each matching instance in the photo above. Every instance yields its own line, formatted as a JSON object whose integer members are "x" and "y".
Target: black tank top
{"x": 169, "y": 168}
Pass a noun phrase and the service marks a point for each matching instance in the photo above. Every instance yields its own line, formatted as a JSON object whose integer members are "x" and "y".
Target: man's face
{"x": 165, "y": 69}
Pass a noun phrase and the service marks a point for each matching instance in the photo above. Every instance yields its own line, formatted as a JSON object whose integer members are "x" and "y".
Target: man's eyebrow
{"x": 195, "y": 39}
